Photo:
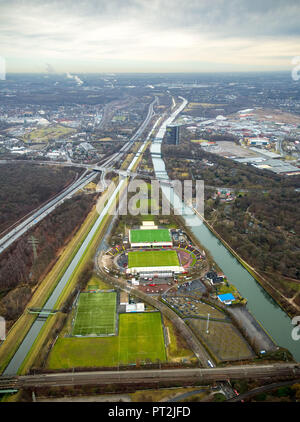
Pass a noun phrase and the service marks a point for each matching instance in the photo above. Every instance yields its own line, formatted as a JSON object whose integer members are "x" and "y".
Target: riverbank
{"x": 258, "y": 277}
{"x": 19, "y": 330}
{"x": 260, "y": 302}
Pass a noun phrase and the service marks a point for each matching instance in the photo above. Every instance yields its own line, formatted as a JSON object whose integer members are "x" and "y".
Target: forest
{"x": 25, "y": 186}
{"x": 261, "y": 224}
{"x": 20, "y": 272}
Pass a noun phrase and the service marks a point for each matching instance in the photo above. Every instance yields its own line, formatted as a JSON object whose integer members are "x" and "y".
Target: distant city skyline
{"x": 149, "y": 36}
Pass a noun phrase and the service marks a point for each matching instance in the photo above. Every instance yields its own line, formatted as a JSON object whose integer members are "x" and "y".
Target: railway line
{"x": 288, "y": 371}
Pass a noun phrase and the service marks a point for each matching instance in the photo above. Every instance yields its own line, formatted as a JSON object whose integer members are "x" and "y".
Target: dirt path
{"x": 101, "y": 398}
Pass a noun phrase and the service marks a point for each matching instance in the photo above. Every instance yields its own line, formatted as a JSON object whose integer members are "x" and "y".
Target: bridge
{"x": 43, "y": 312}
{"x": 128, "y": 173}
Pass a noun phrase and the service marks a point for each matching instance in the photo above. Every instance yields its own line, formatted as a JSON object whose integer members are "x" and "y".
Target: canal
{"x": 274, "y": 320}
{"x": 16, "y": 362}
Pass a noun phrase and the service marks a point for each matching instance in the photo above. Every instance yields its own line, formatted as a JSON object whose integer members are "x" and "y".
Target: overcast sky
{"x": 149, "y": 35}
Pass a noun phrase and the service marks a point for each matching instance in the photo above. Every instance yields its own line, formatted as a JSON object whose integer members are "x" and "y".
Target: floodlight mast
{"x": 207, "y": 324}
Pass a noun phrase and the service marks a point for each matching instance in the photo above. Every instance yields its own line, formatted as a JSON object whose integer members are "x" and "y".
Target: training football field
{"x": 152, "y": 259}
{"x": 150, "y": 236}
{"x": 96, "y": 314}
{"x": 141, "y": 337}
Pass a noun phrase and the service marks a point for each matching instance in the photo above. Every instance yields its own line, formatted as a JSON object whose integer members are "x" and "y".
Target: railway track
{"x": 280, "y": 371}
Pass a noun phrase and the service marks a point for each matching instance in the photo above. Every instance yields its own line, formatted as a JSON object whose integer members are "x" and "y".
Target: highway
{"x": 199, "y": 375}
{"x": 185, "y": 331}
{"x": 146, "y": 121}
{"x": 141, "y": 376}
{"x": 43, "y": 211}
{"x": 117, "y": 157}
{"x": 33, "y": 332}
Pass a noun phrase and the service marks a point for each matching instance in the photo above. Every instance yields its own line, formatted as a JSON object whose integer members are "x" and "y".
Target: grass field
{"x": 140, "y": 338}
{"x": 85, "y": 259}
{"x": 223, "y": 340}
{"x": 44, "y": 134}
{"x": 22, "y": 325}
{"x": 152, "y": 259}
{"x": 177, "y": 348}
{"x": 96, "y": 283}
{"x": 96, "y": 314}
{"x": 144, "y": 236}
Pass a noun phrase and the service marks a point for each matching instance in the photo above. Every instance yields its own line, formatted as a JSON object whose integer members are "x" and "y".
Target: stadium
{"x": 150, "y": 257}
{"x": 153, "y": 262}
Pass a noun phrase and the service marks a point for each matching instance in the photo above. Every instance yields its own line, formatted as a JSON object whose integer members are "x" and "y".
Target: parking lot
{"x": 189, "y": 307}
{"x": 195, "y": 286}
{"x": 154, "y": 290}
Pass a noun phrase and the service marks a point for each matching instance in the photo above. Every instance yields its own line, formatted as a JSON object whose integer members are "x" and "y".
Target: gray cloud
{"x": 227, "y": 17}
{"x": 155, "y": 29}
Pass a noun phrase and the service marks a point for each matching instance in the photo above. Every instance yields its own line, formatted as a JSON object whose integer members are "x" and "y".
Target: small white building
{"x": 135, "y": 282}
{"x": 135, "y": 307}
{"x": 148, "y": 225}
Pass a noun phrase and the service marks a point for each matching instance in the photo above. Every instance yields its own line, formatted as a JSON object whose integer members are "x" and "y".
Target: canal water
{"x": 274, "y": 320}
{"x": 18, "y": 358}
{"x": 261, "y": 305}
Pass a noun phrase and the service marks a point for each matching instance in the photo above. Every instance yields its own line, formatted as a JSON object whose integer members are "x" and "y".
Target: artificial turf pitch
{"x": 152, "y": 259}
{"x": 150, "y": 236}
{"x": 96, "y": 314}
{"x": 140, "y": 339}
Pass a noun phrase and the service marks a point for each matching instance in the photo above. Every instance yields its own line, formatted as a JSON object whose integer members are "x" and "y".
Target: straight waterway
{"x": 261, "y": 305}
{"x": 18, "y": 358}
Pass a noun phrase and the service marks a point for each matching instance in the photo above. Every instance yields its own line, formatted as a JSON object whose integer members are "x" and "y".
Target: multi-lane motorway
{"x": 280, "y": 371}
{"x": 32, "y": 334}
{"x": 42, "y": 212}
{"x": 46, "y": 209}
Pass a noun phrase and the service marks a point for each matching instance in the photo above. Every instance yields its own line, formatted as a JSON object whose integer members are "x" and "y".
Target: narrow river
{"x": 275, "y": 321}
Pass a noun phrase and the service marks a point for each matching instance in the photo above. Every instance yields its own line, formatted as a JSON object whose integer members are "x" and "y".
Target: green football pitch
{"x": 96, "y": 314}
{"x": 140, "y": 338}
{"x": 152, "y": 259}
{"x": 150, "y": 236}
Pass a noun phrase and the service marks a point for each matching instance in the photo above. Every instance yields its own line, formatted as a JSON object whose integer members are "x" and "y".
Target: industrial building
{"x": 274, "y": 165}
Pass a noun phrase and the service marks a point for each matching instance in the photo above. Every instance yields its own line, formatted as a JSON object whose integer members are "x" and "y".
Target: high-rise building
{"x": 172, "y": 134}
